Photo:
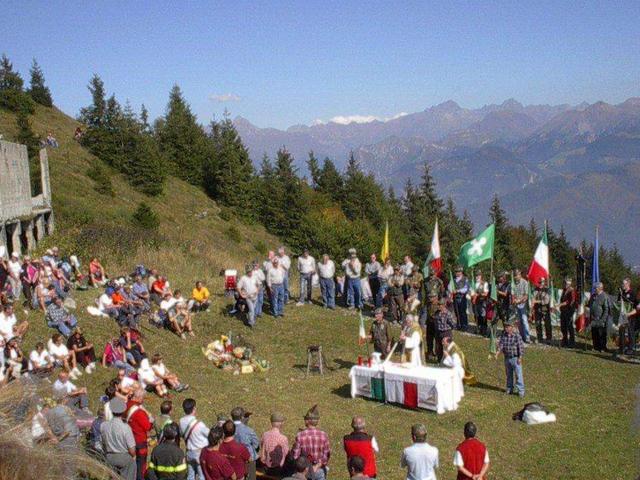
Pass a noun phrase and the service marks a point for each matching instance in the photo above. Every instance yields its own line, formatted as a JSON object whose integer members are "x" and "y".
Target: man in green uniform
{"x": 379, "y": 334}
{"x": 434, "y": 285}
{"x": 542, "y": 311}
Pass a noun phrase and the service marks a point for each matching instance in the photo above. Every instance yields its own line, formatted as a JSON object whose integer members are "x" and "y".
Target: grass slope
{"x": 592, "y": 396}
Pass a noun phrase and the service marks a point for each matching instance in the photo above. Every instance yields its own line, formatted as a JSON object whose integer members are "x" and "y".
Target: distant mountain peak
{"x": 512, "y": 104}
{"x": 446, "y": 107}
{"x": 243, "y": 122}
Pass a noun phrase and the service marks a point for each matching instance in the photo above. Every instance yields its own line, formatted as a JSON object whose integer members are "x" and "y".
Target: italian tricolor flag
{"x": 540, "y": 265}
{"x": 434, "y": 261}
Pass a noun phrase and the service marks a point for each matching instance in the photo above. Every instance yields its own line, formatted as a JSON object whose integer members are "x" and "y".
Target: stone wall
{"x": 15, "y": 187}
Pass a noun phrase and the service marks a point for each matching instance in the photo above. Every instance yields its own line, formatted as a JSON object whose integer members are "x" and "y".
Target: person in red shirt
{"x": 236, "y": 453}
{"x": 471, "y": 457}
{"x": 214, "y": 464}
{"x": 141, "y": 423}
{"x": 360, "y": 443}
{"x": 158, "y": 289}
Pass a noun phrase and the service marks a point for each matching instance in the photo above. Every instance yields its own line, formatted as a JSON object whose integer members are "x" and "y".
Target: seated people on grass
{"x": 72, "y": 395}
{"x": 115, "y": 356}
{"x": 97, "y": 274}
{"x": 58, "y": 317}
{"x": 199, "y": 298}
{"x": 125, "y": 384}
{"x": 158, "y": 288}
{"x": 40, "y": 360}
{"x": 149, "y": 380}
{"x": 161, "y": 371}
{"x": 9, "y": 326}
{"x": 168, "y": 314}
{"x": 83, "y": 350}
{"x": 130, "y": 341}
{"x": 140, "y": 291}
{"x": 43, "y": 295}
{"x": 61, "y": 355}
{"x": 15, "y": 361}
{"x": 183, "y": 313}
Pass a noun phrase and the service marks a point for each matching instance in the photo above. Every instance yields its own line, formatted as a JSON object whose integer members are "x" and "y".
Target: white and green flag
{"x": 479, "y": 249}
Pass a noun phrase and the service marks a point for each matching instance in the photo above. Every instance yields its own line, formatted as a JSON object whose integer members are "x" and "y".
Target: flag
{"x": 581, "y": 318}
{"x": 452, "y": 285}
{"x": 595, "y": 270}
{"x": 494, "y": 289}
{"x": 478, "y": 249}
{"x": 433, "y": 262}
{"x": 362, "y": 334}
{"x": 384, "y": 253}
{"x": 539, "y": 267}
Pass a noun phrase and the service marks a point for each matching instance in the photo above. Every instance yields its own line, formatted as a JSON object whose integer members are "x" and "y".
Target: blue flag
{"x": 595, "y": 266}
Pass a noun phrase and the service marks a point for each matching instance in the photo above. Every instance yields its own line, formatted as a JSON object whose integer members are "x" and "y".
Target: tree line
{"x": 329, "y": 211}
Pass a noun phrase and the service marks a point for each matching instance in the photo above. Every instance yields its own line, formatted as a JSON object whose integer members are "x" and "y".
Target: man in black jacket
{"x": 167, "y": 460}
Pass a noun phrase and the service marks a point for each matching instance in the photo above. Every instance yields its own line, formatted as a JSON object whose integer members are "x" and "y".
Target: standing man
{"x": 276, "y": 276}
{"x": 520, "y": 299}
{"x": 568, "y": 303}
{"x": 503, "y": 293}
{"x": 629, "y": 302}
{"x": 352, "y": 269}
{"x": 479, "y": 300}
{"x": 195, "y": 434}
{"x": 430, "y": 311}
{"x": 141, "y": 423}
{"x": 542, "y": 311}
{"x": 274, "y": 447}
{"x": 259, "y": 278}
{"x": 247, "y": 437}
{"x": 461, "y": 285}
{"x": 444, "y": 326}
{"x": 313, "y": 444}
{"x": 384, "y": 275}
{"x": 396, "y": 294}
{"x": 406, "y": 269}
{"x": 236, "y": 453}
{"x": 248, "y": 290}
{"x": 416, "y": 282}
{"x": 379, "y": 334}
{"x": 599, "y": 313}
{"x": 420, "y": 459}
{"x": 512, "y": 347}
{"x": 306, "y": 269}
{"x": 167, "y": 461}
{"x": 372, "y": 269}
{"x": 285, "y": 263}
{"x": 471, "y": 457}
{"x": 118, "y": 442}
{"x": 434, "y": 285}
{"x": 360, "y": 444}
{"x": 327, "y": 272}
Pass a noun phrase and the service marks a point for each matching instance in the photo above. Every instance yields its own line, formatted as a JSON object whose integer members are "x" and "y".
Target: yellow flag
{"x": 384, "y": 253}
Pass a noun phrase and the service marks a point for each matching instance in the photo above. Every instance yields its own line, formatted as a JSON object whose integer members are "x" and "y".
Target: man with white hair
{"x": 360, "y": 443}
{"x": 327, "y": 272}
{"x": 285, "y": 263}
{"x": 599, "y": 312}
{"x": 275, "y": 281}
{"x": 352, "y": 268}
{"x": 248, "y": 291}
{"x": 306, "y": 269}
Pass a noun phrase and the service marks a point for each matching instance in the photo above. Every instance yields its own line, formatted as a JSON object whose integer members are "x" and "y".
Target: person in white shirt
{"x": 352, "y": 269}
{"x": 62, "y": 356}
{"x": 326, "y": 272}
{"x": 15, "y": 269}
{"x": 9, "y": 326}
{"x": 420, "y": 459}
{"x": 372, "y": 270}
{"x": 73, "y": 396}
{"x": 259, "y": 277}
{"x": 195, "y": 435}
{"x": 149, "y": 379}
{"x": 40, "y": 360}
{"x": 285, "y": 262}
{"x": 275, "y": 281}
{"x": 384, "y": 274}
{"x": 168, "y": 307}
{"x": 306, "y": 268}
{"x": 248, "y": 291}
{"x": 407, "y": 267}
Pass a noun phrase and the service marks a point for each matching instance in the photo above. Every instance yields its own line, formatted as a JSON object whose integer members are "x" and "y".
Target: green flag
{"x": 452, "y": 285}
{"x": 494, "y": 289}
{"x": 479, "y": 249}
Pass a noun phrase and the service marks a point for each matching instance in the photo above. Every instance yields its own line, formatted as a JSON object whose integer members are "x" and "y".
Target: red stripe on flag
{"x": 410, "y": 395}
{"x": 436, "y": 265}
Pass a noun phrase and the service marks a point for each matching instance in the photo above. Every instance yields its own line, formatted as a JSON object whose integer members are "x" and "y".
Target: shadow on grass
{"x": 610, "y": 356}
{"x": 485, "y": 386}
{"x": 342, "y": 364}
{"x": 344, "y": 391}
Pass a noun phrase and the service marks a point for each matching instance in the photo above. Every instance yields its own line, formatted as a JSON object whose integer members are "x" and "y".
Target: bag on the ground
{"x": 534, "y": 414}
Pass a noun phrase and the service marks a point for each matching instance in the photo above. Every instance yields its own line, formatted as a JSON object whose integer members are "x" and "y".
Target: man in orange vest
{"x": 359, "y": 443}
{"x": 471, "y": 457}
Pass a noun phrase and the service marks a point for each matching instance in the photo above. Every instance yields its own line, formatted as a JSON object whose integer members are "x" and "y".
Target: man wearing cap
{"x": 520, "y": 299}
{"x": 248, "y": 291}
{"x": 479, "y": 297}
{"x": 429, "y": 314}
{"x": 379, "y": 334}
{"x": 118, "y": 443}
{"x": 274, "y": 447}
{"x": 511, "y": 346}
{"x": 327, "y": 272}
{"x": 313, "y": 444}
{"x": 420, "y": 459}
{"x": 247, "y": 437}
{"x": 434, "y": 285}
{"x": 396, "y": 294}
{"x": 275, "y": 282}
{"x": 567, "y": 306}
{"x": 542, "y": 311}
{"x": 352, "y": 269}
{"x": 359, "y": 443}
{"x": 599, "y": 313}
{"x": 167, "y": 461}
{"x": 503, "y": 294}
{"x": 306, "y": 269}
{"x": 141, "y": 423}
{"x": 461, "y": 288}
{"x": 444, "y": 326}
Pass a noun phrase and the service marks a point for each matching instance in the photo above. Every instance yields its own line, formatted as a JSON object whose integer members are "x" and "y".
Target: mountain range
{"x": 575, "y": 165}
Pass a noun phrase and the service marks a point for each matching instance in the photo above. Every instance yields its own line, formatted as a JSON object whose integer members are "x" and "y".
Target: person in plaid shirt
{"x": 512, "y": 347}
{"x": 313, "y": 443}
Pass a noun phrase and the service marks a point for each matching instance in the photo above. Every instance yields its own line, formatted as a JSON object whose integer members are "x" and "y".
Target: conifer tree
{"x": 503, "y": 254}
{"x": 314, "y": 170}
{"x": 12, "y": 95}
{"x": 93, "y": 115}
{"x": 144, "y": 119}
{"x": 38, "y": 90}
{"x": 362, "y": 196}
{"x": 563, "y": 255}
{"x": 330, "y": 181}
{"x": 182, "y": 140}
{"x": 149, "y": 171}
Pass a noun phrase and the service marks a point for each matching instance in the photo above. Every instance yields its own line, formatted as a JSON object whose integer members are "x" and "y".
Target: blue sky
{"x": 282, "y": 63}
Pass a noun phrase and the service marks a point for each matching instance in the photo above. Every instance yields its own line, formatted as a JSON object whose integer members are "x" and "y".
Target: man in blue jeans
{"x": 59, "y": 318}
{"x": 512, "y": 347}
{"x": 326, "y": 272}
{"x": 352, "y": 269}
{"x": 520, "y": 298}
{"x": 275, "y": 282}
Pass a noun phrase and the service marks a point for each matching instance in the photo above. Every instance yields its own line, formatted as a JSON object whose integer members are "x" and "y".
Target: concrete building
{"x": 24, "y": 219}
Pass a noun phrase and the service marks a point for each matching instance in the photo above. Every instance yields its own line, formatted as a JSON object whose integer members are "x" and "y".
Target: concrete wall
{"x": 15, "y": 188}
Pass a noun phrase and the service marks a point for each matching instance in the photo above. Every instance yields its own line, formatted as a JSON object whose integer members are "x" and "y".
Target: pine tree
{"x": 314, "y": 170}
{"x": 149, "y": 171}
{"x": 183, "y": 141}
{"x": 93, "y": 115}
{"x": 38, "y": 90}
{"x": 330, "y": 181}
{"x": 228, "y": 174}
{"x": 503, "y": 254}
{"x": 144, "y": 119}
{"x": 27, "y": 137}
{"x": 362, "y": 195}
{"x": 289, "y": 207}
{"x": 12, "y": 95}
{"x": 563, "y": 255}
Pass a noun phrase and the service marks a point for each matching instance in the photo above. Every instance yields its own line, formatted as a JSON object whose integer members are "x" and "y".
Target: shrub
{"x": 144, "y": 217}
{"x": 233, "y": 234}
{"x": 17, "y": 101}
{"x": 225, "y": 214}
{"x": 100, "y": 176}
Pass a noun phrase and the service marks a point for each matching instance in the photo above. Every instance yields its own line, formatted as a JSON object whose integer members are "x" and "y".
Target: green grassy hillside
{"x": 592, "y": 396}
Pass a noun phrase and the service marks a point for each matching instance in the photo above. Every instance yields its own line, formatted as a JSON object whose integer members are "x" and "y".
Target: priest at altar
{"x": 454, "y": 358}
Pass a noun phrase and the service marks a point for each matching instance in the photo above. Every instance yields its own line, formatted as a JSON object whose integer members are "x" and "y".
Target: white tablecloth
{"x": 439, "y": 389}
